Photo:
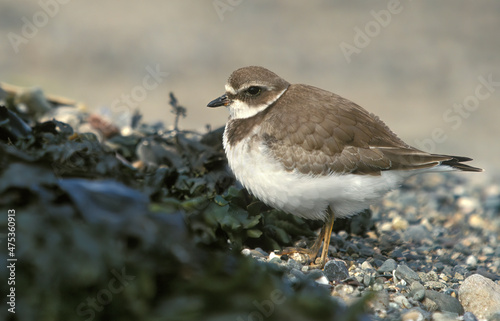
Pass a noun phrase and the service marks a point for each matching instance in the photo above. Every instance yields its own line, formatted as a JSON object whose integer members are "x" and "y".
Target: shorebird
{"x": 312, "y": 153}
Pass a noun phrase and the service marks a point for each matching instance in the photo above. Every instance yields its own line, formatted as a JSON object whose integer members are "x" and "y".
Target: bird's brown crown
{"x": 256, "y": 76}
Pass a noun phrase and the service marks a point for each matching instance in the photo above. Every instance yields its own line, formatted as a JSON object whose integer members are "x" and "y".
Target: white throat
{"x": 239, "y": 109}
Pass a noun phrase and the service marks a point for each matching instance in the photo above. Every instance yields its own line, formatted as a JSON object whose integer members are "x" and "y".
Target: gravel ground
{"x": 432, "y": 253}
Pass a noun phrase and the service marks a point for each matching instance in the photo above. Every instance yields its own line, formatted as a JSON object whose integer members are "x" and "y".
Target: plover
{"x": 312, "y": 153}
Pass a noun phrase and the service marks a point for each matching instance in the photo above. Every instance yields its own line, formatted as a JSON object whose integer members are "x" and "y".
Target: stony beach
{"x": 432, "y": 252}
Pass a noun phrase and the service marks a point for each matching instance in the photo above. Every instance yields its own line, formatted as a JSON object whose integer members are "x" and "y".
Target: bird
{"x": 314, "y": 154}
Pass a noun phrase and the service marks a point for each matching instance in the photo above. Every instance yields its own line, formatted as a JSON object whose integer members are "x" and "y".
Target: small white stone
{"x": 402, "y": 301}
{"x": 467, "y": 205}
{"x": 412, "y": 315}
{"x": 322, "y": 280}
{"x": 272, "y": 255}
{"x": 444, "y": 316}
{"x": 399, "y": 223}
{"x": 366, "y": 266}
{"x": 471, "y": 261}
{"x": 385, "y": 227}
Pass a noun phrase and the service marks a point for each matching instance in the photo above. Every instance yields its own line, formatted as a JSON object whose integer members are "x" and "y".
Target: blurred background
{"x": 430, "y": 70}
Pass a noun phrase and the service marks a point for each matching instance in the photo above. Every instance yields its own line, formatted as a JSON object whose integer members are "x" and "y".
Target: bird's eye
{"x": 253, "y": 91}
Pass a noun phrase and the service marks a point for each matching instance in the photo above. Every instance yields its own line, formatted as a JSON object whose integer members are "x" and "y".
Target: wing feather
{"x": 338, "y": 137}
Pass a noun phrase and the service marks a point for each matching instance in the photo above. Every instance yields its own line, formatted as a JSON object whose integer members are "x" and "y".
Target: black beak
{"x": 221, "y": 101}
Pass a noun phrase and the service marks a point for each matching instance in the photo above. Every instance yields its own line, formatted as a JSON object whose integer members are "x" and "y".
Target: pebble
{"x": 444, "y": 302}
{"x": 367, "y": 266}
{"x": 273, "y": 255}
{"x": 336, "y": 270}
{"x": 416, "y": 233}
{"x": 430, "y": 305}
{"x": 461, "y": 270}
{"x": 314, "y": 274}
{"x": 406, "y": 273}
{"x": 377, "y": 287}
{"x": 480, "y": 295}
{"x": 419, "y": 295}
{"x": 402, "y": 301}
{"x": 380, "y": 302}
{"x": 471, "y": 261}
{"x": 417, "y": 291}
{"x": 469, "y": 316}
{"x": 300, "y": 257}
{"x": 322, "y": 280}
{"x": 412, "y": 315}
{"x": 367, "y": 280}
{"x": 344, "y": 291}
{"x": 276, "y": 260}
{"x": 444, "y": 316}
{"x": 486, "y": 250}
{"x": 435, "y": 285}
{"x": 389, "y": 240}
{"x": 388, "y": 266}
{"x": 431, "y": 276}
{"x": 292, "y": 264}
{"x": 385, "y": 227}
{"x": 397, "y": 254}
{"x": 467, "y": 205}
{"x": 399, "y": 223}
{"x": 351, "y": 249}
{"x": 476, "y": 221}
{"x": 256, "y": 253}
{"x": 439, "y": 266}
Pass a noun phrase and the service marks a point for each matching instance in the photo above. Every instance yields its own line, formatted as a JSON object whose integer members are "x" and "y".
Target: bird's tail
{"x": 456, "y": 162}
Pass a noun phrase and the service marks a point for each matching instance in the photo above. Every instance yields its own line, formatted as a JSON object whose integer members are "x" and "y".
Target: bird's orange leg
{"x": 326, "y": 238}
{"x": 323, "y": 238}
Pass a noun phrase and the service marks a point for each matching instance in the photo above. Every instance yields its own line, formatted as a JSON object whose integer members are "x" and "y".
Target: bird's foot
{"x": 304, "y": 256}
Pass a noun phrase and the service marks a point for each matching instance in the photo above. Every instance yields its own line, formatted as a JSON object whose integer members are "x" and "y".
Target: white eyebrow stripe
{"x": 240, "y": 110}
{"x": 255, "y": 83}
{"x": 230, "y": 89}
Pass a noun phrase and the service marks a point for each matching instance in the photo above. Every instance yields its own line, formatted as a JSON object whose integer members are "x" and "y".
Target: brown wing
{"x": 337, "y": 136}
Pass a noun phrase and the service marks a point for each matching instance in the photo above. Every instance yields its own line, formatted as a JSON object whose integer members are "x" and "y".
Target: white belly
{"x": 305, "y": 195}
